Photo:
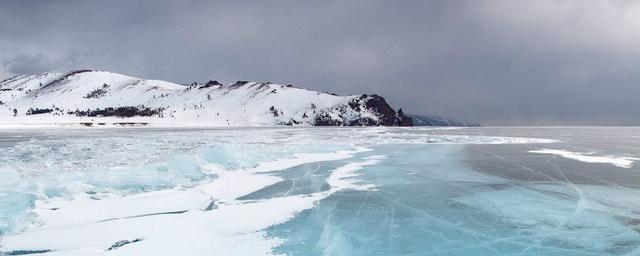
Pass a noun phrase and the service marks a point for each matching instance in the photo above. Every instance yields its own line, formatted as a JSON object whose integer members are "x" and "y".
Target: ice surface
{"x": 443, "y": 207}
{"x": 181, "y": 212}
{"x": 374, "y": 191}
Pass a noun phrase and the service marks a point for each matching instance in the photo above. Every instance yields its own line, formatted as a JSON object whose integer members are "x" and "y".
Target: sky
{"x": 497, "y": 62}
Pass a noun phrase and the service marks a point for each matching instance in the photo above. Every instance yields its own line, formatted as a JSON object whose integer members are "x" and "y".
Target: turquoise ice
{"x": 408, "y": 191}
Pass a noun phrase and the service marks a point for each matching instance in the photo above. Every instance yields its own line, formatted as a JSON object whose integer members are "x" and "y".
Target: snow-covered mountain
{"x": 100, "y": 98}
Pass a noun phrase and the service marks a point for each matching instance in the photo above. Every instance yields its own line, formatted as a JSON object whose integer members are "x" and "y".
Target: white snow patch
{"x": 620, "y": 161}
{"x": 343, "y": 177}
{"x": 193, "y": 221}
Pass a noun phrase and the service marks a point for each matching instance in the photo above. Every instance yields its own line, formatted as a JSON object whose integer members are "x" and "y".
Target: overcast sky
{"x": 502, "y": 62}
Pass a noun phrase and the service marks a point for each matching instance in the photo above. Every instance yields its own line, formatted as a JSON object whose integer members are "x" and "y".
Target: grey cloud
{"x": 35, "y": 63}
{"x": 26, "y": 64}
{"x": 496, "y": 62}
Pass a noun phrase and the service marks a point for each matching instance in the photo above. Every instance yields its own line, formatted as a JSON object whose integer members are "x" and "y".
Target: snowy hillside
{"x": 99, "y": 98}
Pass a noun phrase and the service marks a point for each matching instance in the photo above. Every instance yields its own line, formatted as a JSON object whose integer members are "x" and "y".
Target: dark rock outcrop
{"x": 210, "y": 84}
{"x": 386, "y": 115}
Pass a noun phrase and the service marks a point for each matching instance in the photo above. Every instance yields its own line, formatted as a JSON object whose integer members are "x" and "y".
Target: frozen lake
{"x": 321, "y": 191}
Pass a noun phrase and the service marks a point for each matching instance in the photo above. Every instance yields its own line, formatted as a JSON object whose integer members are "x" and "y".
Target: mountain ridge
{"x": 102, "y": 98}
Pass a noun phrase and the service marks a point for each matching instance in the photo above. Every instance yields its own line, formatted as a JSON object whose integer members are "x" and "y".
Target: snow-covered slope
{"x": 100, "y": 98}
